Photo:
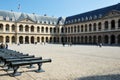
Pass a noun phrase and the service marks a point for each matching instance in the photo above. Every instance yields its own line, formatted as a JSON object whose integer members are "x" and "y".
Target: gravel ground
{"x": 70, "y": 63}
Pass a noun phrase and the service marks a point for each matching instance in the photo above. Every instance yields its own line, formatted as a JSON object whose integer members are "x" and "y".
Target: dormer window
{"x": 90, "y": 18}
{"x": 100, "y": 15}
{"x": 82, "y": 19}
{"x": 79, "y": 19}
{"x": 86, "y": 18}
{"x": 95, "y": 17}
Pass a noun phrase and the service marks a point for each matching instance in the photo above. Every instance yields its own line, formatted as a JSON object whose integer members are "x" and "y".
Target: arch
{"x": 78, "y": 28}
{"x": 38, "y": 29}
{"x": 99, "y": 26}
{"x": 42, "y": 39}
{"x": 99, "y": 39}
{"x": 27, "y": 40}
{"x": 46, "y": 29}
{"x": 54, "y": 29}
{"x": 75, "y": 29}
{"x": 32, "y": 39}
{"x": 50, "y": 39}
{"x": 21, "y": 39}
{"x": 13, "y": 28}
{"x": 78, "y": 39}
{"x": 112, "y": 38}
{"x": 21, "y": 28}
{"x": 62, "y": 30}
{"x": 68, "y": 29}
{"x": 32, "y": 28}
{"x": 75, "y": 38}
{"x": 119, "y": 23}
{"x": 72, "y": 39}
{"x": 13, "y": 39}
{"x": 86, "y": 39}
{"x": 106, "y": 25}
{"x": 42, "y": 29}
{"x": 94, "y": 39}
{"x": 26, "y": 28}
{"x": 106, "y": 39}
{"x": 113, "y": 24}
{"x": 50, "y": 30}
{"x": 7, "y": 27}
{"x": 81, "y": 28}
{"x": 90, "y": 39}
{"x": 90, "y": 27}
{"x": 81, "y": 39}
{"x": 65, "y": 29}
{"x": 1, "y": 27}
{"x": 47, "y": 39}
{"x": 71, "y": 29}
{"x": 7, "y": 39}
{"x": 118, "y": 39}
{"x": 94, "y": 27}
{"x": 54, "y": 39}
{"x": 85, "y": 27}
{"x": 1, "y": 39}
{"x": 38, "y": 39}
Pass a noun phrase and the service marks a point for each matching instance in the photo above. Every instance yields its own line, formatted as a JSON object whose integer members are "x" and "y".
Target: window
{"x": 38, "y": 29}
{"x": 46, "y": 29}
{"x": 85, "y": 27}
{"x": 21, "y": 28}
{"x": 42, "y": 29}
{"x": 26, "y": 28}
{"x": 81, "y": 28}
{"x": 13, "y": 28}
{"x": 32, "y": 28}
{"x": 1, "y": 27}
{"x": 119, "y": 23}
{"x": 90, "y": 27}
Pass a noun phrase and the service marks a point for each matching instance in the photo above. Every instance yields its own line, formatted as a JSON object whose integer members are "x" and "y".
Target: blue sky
{"x": 55, "y": 8}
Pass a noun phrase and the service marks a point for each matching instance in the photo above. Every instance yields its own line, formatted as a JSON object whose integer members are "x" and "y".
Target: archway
{"x": 13, "y": 39}
{"x": 32, "y": 40}
{"x": 21, "y": 39}
{"x": 118, "y": 39}
{"x": 106, "y": 38}
{"x": 26, "y": 40}
{"x": 112, "y": 39}
{"x": 1, "y": 39}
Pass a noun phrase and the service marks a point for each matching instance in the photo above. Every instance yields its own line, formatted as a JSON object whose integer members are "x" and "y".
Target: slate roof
{"x": 17, "y": 16}
{"x": 91, "y": 15}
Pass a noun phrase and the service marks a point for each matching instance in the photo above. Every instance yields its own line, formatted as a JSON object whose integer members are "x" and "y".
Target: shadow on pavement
{"x": 101, "y": 77}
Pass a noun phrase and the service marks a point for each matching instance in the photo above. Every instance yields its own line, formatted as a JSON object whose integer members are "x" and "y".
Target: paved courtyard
{"x": 70, "y": 63}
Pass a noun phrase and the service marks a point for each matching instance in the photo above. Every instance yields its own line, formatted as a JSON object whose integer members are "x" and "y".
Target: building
{"x": 93, "y": 27}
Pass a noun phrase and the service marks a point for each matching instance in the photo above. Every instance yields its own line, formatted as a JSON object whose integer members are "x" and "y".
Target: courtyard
{"x": 76, "y": 62}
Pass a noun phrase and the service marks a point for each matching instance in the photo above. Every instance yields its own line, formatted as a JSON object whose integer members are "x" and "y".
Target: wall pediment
{"x": 26, "y": 21}
{"x": 112, "y": 13}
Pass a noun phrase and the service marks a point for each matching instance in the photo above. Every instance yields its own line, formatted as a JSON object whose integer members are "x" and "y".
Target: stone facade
{"x": 103, "y": 27}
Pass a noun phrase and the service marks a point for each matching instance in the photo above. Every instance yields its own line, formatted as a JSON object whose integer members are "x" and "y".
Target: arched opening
{"x": 26, "y": 28}
{"x": 1, "y": 27}
{"x": 32, "y": 28}
{"x": 47, "y": 39}
{"x": 112, "y": 39}
{"x": 113, "y": 24}
{"x": 38, "y": 29}
{"x": 94, "y": 39}
{"x": 90, "y": 27}
{"x": 7, "y": 39}
{"x": 13, "y": 39}
{"x": 119, "y": 23}
{"x": 32, "y": 40}
{"x": 21, "y": 39}
{"x": 13, "y": 28}
{"x": 85, "y": 27}
{"x": 78, "y": 39}
{"x": 54, "y": 39}
{"x": 46, "y": 29}
{"x": 62, "y": 30}
{"x": 106, "y": 25}
{"x": 50, "y": 30}
{"x": 7, "y": 27}
{"x": 86, "y": 39}
{"x": 50, "y": 39}
{"x": 99, "y": 26}
{"x": 21, "y": 28}
{"x": 75, "y": 39}
{"x": 99, "y": 39}
{"x": 94, "y": 27}
{"x": 106, "y": 38}
{"x": 90, "y": 40}
{"x": 82, "y": 39}
{"x": 26, "y": 40}
{"x": 118, "y": 39}
{"x": 1, "y": 39}
{"x": 42, "y": 39}
{"x": 42, "y": 29}
{"x": 38, "y": 39}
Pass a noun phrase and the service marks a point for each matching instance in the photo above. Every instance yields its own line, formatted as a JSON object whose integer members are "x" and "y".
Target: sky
{"x": 56, "y": 8}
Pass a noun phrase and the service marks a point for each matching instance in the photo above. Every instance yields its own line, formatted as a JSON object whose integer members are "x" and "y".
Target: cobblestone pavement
{"x": 69, "y": 63}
